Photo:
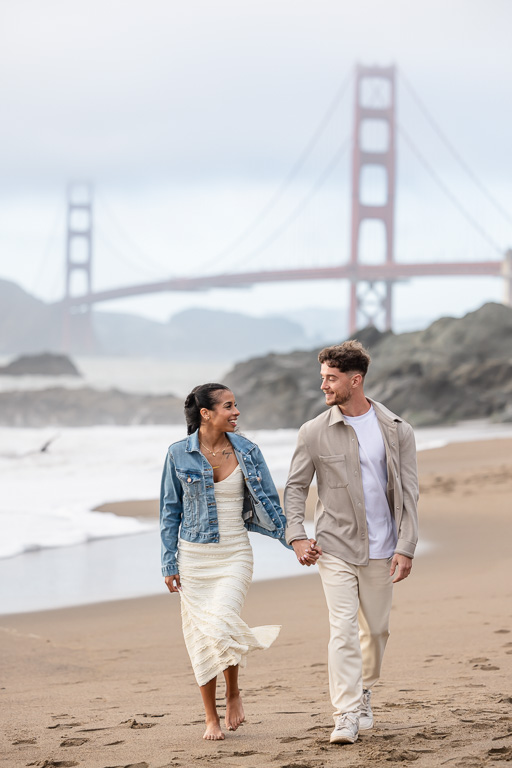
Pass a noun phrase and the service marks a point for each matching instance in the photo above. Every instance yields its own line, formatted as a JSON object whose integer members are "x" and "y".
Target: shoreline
{"x": 465, "y": 457}
{"x": 126, "y": 567}
{"x": 91, "y": 467}
{"x": 110, "y": 684}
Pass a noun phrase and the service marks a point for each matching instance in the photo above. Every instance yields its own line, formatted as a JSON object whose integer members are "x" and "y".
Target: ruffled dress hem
{"x": 264, "y": 637}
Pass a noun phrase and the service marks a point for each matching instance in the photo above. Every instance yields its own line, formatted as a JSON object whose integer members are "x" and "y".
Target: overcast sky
{"x": 188, "y": 116}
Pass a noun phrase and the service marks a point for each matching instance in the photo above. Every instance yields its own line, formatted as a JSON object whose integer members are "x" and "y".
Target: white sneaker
{"x": 365, "y": 712}
{"x": 346, "y": 728}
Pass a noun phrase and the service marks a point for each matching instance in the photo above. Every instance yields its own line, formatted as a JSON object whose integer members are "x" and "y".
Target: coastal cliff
{"x": 456, "y": 369}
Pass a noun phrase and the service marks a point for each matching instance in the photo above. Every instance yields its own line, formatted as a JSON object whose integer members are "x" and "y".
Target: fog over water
{"x": 189, "y": 118}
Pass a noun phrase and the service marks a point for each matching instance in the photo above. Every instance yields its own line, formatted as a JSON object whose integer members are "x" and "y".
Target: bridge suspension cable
{"x": 123, "y": 256}
{"x": 447, "y": 143}
{"x": 139, "y": 259}
{"x": 291, "y": 175}
{"x": 288, "y": 221}
{"x": 449, "y": 194}
{"x": 50, "y": 243}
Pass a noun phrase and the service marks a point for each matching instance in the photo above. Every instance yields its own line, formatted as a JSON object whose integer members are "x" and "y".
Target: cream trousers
{"x": 359, "y": 602}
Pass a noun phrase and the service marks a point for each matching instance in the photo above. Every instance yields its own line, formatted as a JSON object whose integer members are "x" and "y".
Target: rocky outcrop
{"x": 86, "y": 407}
{"x": 457, "y": 368}
{"x": 46, "y": 364}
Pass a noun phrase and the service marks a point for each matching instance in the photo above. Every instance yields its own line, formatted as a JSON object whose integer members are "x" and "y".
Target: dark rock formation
{"x": 455, "y": 369}
{"x": 46, "y": 364}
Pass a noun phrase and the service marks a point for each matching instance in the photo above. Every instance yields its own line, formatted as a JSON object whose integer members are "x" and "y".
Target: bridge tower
{"x": 77, "y": 320}
{"x": 373, "y": 194}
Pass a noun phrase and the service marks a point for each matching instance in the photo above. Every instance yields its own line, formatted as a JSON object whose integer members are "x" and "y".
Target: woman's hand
{"x": 173, "y": 582}
{"x": 307, "y": 551}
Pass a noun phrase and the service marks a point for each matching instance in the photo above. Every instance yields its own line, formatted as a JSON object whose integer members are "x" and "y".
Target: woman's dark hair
{"x": 202, "y": 396}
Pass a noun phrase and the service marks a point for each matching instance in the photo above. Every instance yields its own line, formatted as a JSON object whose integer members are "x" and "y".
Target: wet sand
{"x": 110, "y": 684}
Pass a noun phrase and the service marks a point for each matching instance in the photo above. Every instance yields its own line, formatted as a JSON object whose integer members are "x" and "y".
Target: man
{"x": 364, "y": 457}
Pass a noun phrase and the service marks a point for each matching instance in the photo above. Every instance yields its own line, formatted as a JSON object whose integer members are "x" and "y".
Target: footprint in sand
{"x": 133, "y": 723}
{"x": 310, "y": 764}
{"x": 129, "y": 765}
{"x": 401, "y": 755}
{"x": 502, "y": 631}
{"x": 24, "y": 741}
{"x": 500, "y": 753}
{"x": 431, "y": 735}
{"x": 73, "y": 742}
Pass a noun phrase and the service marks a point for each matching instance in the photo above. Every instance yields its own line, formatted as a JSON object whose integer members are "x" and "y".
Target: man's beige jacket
{"x": 328, "y": 447}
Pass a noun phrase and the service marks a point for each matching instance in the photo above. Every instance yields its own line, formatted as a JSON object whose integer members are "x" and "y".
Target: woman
{"x": 215, "y": 487}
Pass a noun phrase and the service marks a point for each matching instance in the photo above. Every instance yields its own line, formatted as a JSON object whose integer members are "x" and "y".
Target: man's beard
{"x": 341, "y": 398}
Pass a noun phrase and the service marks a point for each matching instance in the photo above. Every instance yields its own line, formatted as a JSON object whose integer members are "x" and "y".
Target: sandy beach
{"x": 110, "y": 685}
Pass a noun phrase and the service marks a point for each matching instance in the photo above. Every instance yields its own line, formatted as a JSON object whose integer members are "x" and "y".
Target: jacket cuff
{"x": 170, "y": 570}
{"x": 294, "y": 532}
{"x": 405, "y": 547}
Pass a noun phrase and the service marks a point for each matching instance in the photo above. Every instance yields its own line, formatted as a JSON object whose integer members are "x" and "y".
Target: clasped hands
{"x": 307, "y": 551}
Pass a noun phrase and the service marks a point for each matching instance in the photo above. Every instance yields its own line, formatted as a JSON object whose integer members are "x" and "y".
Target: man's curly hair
{"x": 349, "y": 356}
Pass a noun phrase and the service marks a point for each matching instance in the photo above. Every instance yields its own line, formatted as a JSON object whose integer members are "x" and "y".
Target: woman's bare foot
{"x": 213, "y": 731}
{"x": 234, "y": 712}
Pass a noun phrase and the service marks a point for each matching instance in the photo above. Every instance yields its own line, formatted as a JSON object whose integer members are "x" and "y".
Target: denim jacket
{"x": 187, "y": 500}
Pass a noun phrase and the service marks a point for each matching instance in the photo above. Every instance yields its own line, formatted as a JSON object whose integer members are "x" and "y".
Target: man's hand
{"x": 173, "y": 582}
{"x": 402, "y": 565}
{"x": 307, "y": 551}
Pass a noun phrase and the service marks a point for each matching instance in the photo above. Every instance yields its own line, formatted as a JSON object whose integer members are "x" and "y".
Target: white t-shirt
{"x": 382, "y": 536}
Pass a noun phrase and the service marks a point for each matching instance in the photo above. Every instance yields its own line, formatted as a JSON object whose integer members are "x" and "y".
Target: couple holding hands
{"x": 216, "y": 487}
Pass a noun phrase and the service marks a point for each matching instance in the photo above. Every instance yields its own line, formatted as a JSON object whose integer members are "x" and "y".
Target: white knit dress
{"x": 215, "y": 578}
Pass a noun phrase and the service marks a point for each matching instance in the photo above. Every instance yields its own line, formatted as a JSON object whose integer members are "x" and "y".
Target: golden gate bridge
{"x": 371, "y": 285}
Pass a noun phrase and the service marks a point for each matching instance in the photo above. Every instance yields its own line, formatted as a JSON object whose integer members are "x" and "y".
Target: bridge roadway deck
{"x": 355, "y": 273}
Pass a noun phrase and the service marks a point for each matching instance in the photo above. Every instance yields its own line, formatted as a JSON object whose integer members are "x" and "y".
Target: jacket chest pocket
{"x": 192, "y": 484}
{"x": 335, "y": 469}
{"x": 190, "y": 481}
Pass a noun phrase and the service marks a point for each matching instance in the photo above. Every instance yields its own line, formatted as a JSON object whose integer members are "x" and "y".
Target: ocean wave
{"x": 48, "y": 498}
